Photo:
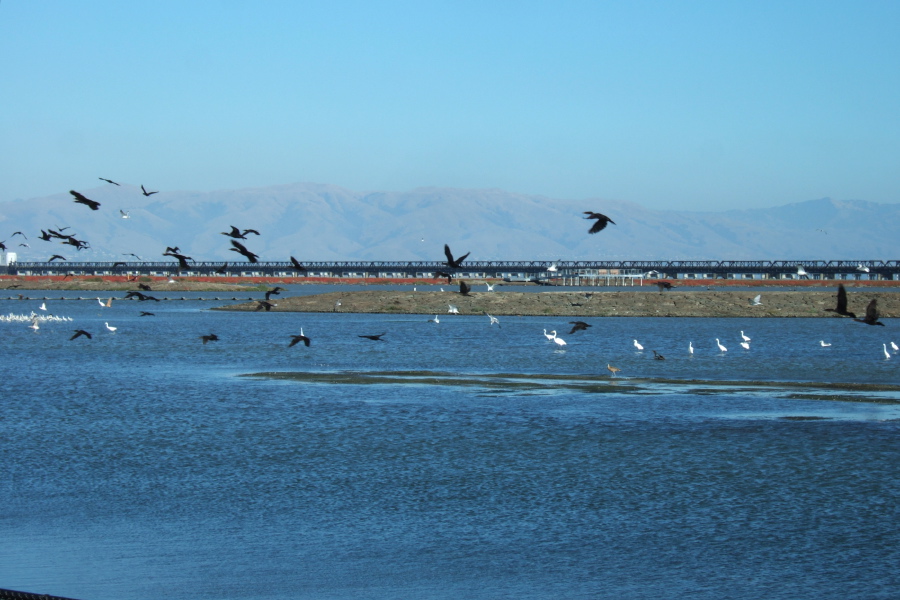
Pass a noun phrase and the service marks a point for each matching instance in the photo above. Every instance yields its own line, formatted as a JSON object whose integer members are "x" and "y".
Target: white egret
{"x": 894, "y": 346}
{"x": 549, "y": 336}
{"x": 690, "y": 347}
{"x": 558, "y": 340}
{"x": 824, "y": 343}
{"x": 637, "y": 345}
{"x": 745, "y": 338}
{"x": 110, "y": 327}
{"x": 721, "y": 347}
{"x": 886, "y": 353}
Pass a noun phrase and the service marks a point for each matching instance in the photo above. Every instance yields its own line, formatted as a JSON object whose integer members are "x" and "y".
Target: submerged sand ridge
{"x": 675, "y": 303}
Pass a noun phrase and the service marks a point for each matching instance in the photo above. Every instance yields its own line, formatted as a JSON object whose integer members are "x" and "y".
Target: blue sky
{"x": 682, "y": 105}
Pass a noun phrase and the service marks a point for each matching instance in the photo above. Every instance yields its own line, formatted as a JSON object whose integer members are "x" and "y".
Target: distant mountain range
{"x": 325, "y": 222}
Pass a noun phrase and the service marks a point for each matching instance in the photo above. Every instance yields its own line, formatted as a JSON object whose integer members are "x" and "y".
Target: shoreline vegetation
{"x": 696, "y": 298}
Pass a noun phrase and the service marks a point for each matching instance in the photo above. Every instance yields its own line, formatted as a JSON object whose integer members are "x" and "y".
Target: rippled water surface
{"x": 454, "y": 460}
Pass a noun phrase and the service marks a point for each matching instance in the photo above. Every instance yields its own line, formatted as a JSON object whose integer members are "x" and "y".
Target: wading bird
{"x": 841, "y": 307}
{"x": 824, "y": 344}
{"x": 549, "y": 336}
{"x": 80, "y": 199}
{"x": 637, "y": 345}
{"x": 558, "y": 340}
{"x": 690, "y": 347}
{"x": 601, "y": 223}
{"x": 886, "y": 353}
{"x": 721, "y": 347}
{"x": 744, "y": 337}
{"x": 110, "y": 327}
{"x": 612, "y": 369}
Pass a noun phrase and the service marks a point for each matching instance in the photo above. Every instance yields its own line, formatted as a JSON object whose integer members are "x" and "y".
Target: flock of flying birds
{"x": 452, "y": 263}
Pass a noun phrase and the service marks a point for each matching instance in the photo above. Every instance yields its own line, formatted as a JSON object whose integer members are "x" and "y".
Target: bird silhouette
{"x": 79, "y": 333}
{"x": 141, "y": 297}
{"x": 296, "y": 339}
{"x": 454, "y": 263}
{"x": 464, "y": 288}
{"x": 871, "y": 317}
{"x": 274, "y": 292}
{"x": 221, "y": 270}
{"x": 263, "y": 304}
{"x": 664, "y": 285}
{"x": 134, "y": 255}
{"x": 209, "y": 338}
{"x": 238, "y": 234}
{"x": 601, "y": 223}
{"x": 15, "y": 233}
{"x": 658, "y": 356}
{"x": 107, "y": 180}
{"x": 841, "y": 307}
{"x": 241, "y": 249}
{"x": 442, "y": 274}
{"x": 144, "y": 313}
{"x": 578, "y": 326}
{"x": 56, "y": 256}
{"x": 376, "y": 338}
{"x": 146, "y": 193}
{"x": 80, "y": 199}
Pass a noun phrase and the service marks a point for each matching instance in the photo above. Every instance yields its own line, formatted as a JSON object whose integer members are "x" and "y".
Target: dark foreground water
{"x": 455, "y": 460}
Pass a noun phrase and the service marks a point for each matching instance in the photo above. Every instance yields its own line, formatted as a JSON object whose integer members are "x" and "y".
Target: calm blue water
{"x": 142, "y": 464}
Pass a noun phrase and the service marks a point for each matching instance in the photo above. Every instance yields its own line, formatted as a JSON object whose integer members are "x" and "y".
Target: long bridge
{"x": 528, "y": 270}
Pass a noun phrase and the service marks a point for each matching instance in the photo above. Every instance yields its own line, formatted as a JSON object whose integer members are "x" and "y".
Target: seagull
{"x": 434, "y": 320}
{"x": 745, "y": 338}
{"x": 452, "y": 310}
{"x": 146, "y": 193}
{"x": 110, "y": 327}
{"x": 296, "y": 339}
{"x": 658, "y": 356}
{"x": 612, "y": 369}
{"x": 757, "y": 301}
{"x": 209, "y": 338}
{"x": 824, "y": 344}
{"x": 80, "y": 332}
{"x": 454, "y": 263}
{"x": 602, "y": 220}
{"x": 80, "y": 199}
{"x": 578, "y": 326}
{"x": 107, "y": 180}
{"x": 464, "y": 288}
{"x": 34, "y": 324}
{"x": 801, "y": 272}
{"x": 490, "y": 287}
{"x": 886, "y": 353}
{"x": 43, "y": 306}
{"x": 125, "y": 214}
{"x": 376, "y": 338}
{"x": 721, "y": 347}
{"x": 841, "y": 308}
{"x": 241, "y": 249}
{"x": 637, "y": 345}
{"x": 863, "y": 268}
{"x": 493, "y": 320}
{"x": 871, "y": 317}
{"x": 553, "y": 268}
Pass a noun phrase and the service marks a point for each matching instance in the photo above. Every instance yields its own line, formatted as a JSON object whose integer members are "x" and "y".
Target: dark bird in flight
{"x": 376, "y": 338}
{"x": 464, "y": 288}
{"x": 80, "y": 332}
{"x": 454, "y": 263}
{"x": 238, "y": 234}
{"x": 664, "y": 285}
{"x": 602, "y": 220}
{"x": 107, "y": 180}
{"x": 221, "y": 270}
{"x": 134, "y": 255}
{"x": 658, "y": 356}
{"x": 209, "y": 338}
{"x": 3, "y": 245}
{"x": 141, "y": 297}
{"x": 241, "y": 249}
{"x": 181, "y": 258}
{"x": 443, "y": 274}
{"x": 144, "y": 287}
{"x": 80, "y": 199}
{"x": 296, "y": 264}
{"x": 841, "y": 308}
{"x": 15, "y": 233}
{"x": 45, "y": 236}
{"x": 871, "y": 317}
{"x": 146, "y": 193}
{"x": 171, "y": 249}
{"x": 144, "y": 313}
{"x": 578, "y": 326}
{"x": 118, "y": 264}
{"x": 275, "y": 291}
{"x": 79, "y": 244}
{"x": 55, "y": 256}
{"x": 296, "y": 339}
{"x": 263, "y": 304}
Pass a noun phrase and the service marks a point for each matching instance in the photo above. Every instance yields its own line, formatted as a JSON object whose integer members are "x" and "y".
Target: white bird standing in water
{"x": 895, "y": 347}
{"x": 886, "y": 353}
{"x": 549, "y": 336}
{"x": 558, "y": 340}
{"x": 110, "y": 327}
{"x": 637, "y": 345}
{"x": 746, "y": 339}
{"x": 690, "y": 347}
{"x": 721, "y": 347}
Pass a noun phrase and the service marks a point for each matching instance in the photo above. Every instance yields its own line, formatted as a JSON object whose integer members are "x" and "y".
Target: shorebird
{"x": 453, "y": 263}
{"x": 578, "y": 326}
{"x": 637, "y": 345}
{"x": 871, "y": 317}
{"x": 376, "y": 338}
{"x": 296, "y": 339}
{"x": 721, "y": 347}
{"x": 110, "y": 327}
{"x": 841, "y": 307}
{"x": 757, "y": 301}
{"x": 601, "y": 223}
{"x": 824, "y": 344}
{"x": 80, "y": 332}
{"x": 612, "y": 369}
{"x": 80, "y": 199}
{"x": 146, "y": 193}
{"x": 209, "y": 338}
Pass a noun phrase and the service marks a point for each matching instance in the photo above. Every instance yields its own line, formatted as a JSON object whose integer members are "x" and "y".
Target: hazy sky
{"x": 684, "y": 105}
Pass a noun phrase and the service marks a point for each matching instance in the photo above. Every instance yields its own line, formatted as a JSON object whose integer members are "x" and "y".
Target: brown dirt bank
{"x": 676, "y": 303}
